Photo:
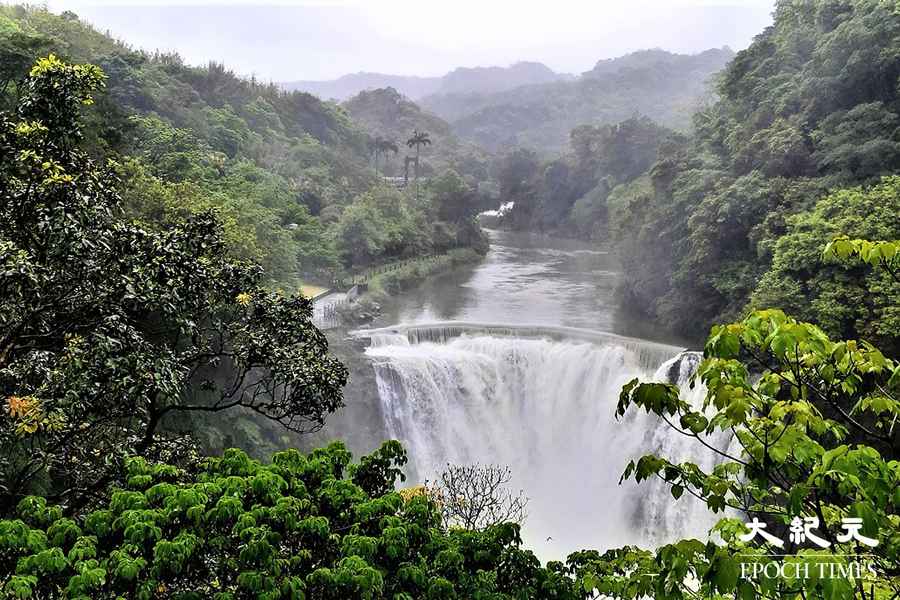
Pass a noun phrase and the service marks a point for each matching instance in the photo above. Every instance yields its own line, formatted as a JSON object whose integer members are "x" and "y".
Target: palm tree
{"x": 418, "y": 140}
{"x": 376, "y": 147}
{"x": 385, "y": 145}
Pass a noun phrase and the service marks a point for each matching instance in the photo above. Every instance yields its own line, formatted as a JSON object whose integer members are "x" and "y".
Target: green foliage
{"x": 813, "y": 423}
{"x": 884, "y": 255}
{"x": 251, "y": 151}
{"x": 453, "y": 200}
{"x": 279, "y": 168}
{"x": 110, "y": 330}
{"x": 387, "y": 115}
{"x": 570, "y": 194}
{"x": 842, "y": 295}
{"x": 381, "y": 224}
{"x": 384, "y": 147}
{"x": 305, "y": 526}
{"x": 17, "y": 52}
{"x": 394, "y": 281}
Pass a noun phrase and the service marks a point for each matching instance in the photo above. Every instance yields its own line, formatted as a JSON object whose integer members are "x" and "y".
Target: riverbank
{"x": 391, "y": 280}
{"x": 361, "y": 423}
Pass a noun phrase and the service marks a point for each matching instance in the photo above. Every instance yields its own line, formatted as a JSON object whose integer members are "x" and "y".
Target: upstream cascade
{"x": 541, "y": 400}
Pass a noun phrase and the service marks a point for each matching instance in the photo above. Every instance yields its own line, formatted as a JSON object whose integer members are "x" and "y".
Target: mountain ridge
{"x": 665, "y": 86}
{"x": 461, "y": 79}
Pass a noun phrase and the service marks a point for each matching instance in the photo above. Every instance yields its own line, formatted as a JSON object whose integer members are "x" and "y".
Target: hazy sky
{"x": 323, "y": 39}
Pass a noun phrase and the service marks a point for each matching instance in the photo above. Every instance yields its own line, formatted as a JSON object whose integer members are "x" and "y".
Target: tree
{"x": 17, "y": 53}
{"x": 361, "y": 233}
{"x": 303, "y": 526}
{"x": 477, "y": 497}
{"x": 622, "y": 151}
{"x": 453, "y": 200}
{"x": 880, "y": 254}
{"x": 383, "y": 146}
{"x": 389, "y": 146}
{"x": 375, "y": 148}
{"x": 112, "y": 333}
{"x": 844, "y": 298}
{"x": 381, "y": 224}
{"x": 516, "y": 174}
{"x": 418, "y": 140}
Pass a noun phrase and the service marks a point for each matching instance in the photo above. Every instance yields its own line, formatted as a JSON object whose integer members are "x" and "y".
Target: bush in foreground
{"x": 305, "y": 526}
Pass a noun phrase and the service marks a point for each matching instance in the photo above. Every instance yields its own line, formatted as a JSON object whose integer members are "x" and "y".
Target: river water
{"x": 519, "y": 361}
{"x": 526, "y": 278}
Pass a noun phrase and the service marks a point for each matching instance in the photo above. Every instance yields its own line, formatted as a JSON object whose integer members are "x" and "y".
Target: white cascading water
{"x": 542, "y": 401}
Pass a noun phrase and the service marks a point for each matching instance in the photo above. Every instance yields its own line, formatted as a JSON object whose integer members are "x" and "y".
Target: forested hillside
{"x": 289, "y": 179}
{"x": 734, "y": 215}
{"x": 575, "y": 193}
{"x": 280, "y": 169}
{"x": 663, "y": 86}
{"x": 385, "y": 113}
{"x": 264, "y": 159}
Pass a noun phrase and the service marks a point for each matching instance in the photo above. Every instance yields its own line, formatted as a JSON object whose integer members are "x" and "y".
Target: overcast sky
{"x": 287, "y": 40}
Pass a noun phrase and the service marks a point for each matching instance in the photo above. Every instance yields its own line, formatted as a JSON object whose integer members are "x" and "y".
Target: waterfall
{"x": 656, "y": 516}
{"x": 542, "y": 401}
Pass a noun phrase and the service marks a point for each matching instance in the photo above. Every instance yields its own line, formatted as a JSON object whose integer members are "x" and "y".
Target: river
{"x": 518, "y": 361}
{"x": 526, "y": 278}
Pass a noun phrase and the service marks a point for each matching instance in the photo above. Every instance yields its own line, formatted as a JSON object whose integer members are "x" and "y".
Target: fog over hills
{"x": 347, "y": 86}
{"x": 664, "y": 86}
{"x": 461, "y": 80}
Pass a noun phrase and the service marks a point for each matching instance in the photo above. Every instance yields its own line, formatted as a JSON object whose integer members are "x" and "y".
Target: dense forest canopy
{"x": 811, "y": 107}
{"x": 114, "y": 335}
{"x": 574, "y": 192}
{"x": 279, "y": 183}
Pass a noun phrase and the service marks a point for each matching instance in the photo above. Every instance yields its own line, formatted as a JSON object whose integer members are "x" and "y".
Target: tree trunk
{"x": 417, "y": 173}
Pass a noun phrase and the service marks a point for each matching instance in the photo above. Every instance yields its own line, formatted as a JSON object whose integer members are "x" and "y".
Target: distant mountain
{"x": 481, "y": 80}
{"x": 489, "y": 80}
{"x": 656, "y": 57}
{"x": 664, "y": 86}
{"x": 348, "y": 86}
